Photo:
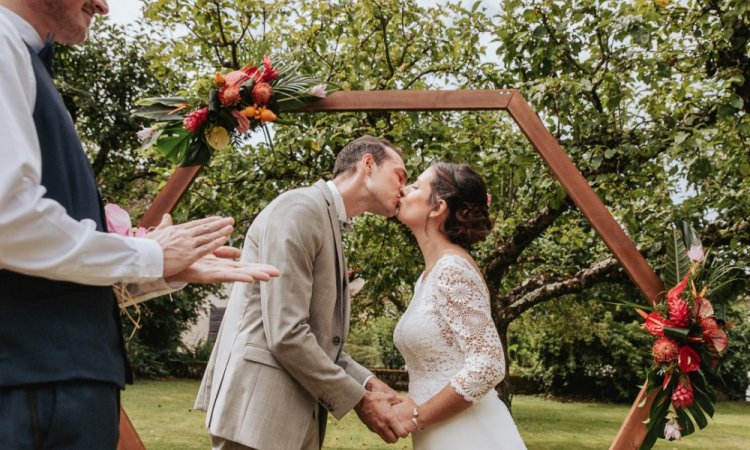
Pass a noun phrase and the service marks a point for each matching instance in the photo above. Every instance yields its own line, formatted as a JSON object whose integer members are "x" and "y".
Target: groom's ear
{"x": 367, "y": 163}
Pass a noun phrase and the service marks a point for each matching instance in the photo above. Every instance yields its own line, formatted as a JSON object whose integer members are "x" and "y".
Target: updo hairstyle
{"x": 465, "y": 193}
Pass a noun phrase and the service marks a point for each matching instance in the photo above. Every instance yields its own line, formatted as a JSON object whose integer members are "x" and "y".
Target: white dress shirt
{"x": 338, "y": 203}
{"x": 37, "y": 237}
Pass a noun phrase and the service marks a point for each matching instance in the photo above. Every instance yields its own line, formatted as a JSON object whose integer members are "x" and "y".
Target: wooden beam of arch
{"x": 633, "y": 430}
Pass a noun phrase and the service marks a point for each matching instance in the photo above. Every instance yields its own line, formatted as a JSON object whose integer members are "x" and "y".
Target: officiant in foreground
{"x": 62, "y": 354}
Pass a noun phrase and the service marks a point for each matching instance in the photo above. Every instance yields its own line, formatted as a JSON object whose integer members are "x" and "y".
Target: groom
{"x": 278, "y": 366}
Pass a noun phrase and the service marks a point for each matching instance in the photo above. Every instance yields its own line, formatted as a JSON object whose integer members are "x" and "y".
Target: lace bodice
{"x": 447, "y": 335}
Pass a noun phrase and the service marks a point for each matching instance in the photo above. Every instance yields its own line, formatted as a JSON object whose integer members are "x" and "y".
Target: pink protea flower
{"x": 664, "y": 350}
{"x": 262, "y": 93}
{"x": 229, "y": 95}
{"x": 236, "y": 78}
{"x": 195, "y": 119}
{"x": 243, "y": 124}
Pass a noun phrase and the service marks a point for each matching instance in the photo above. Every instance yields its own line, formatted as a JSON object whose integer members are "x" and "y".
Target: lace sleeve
{"x": 464, "y": 306}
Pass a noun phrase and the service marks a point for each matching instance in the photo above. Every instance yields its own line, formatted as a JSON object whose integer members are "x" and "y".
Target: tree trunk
{"x": 504, "y": 389}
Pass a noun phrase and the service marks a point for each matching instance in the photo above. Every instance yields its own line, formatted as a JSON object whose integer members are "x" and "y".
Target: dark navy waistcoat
{"x": 52, "y": 330}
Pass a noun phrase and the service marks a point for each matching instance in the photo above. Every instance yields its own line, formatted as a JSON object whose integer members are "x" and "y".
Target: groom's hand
{"x": 376, "y": 411}
{"x": 374, "y": 384}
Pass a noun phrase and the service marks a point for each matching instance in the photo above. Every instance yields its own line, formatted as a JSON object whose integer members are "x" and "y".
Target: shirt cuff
{"x": 140, "y": 292}
{"x": 152, "y": 256}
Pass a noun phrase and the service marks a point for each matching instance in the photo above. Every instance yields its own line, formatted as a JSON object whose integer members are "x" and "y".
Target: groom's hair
{"x": 353, "y": 152}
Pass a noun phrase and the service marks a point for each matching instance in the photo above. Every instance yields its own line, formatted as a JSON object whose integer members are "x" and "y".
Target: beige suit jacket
{"x": 279, "y": 352}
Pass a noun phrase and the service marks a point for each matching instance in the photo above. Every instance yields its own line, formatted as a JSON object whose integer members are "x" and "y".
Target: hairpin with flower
{"x": 222, "y": 109}
{"x": 689, "y": 340}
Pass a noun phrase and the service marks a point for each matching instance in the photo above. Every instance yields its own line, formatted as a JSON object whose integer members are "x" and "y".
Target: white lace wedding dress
{"x": 447, "y": 336}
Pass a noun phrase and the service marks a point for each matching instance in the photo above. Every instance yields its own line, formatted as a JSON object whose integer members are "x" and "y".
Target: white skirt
{"x": 486, "y": 425}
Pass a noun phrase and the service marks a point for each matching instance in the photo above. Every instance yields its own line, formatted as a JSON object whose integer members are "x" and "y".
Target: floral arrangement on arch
{"x": 689, "y": 341}
{"x": 223, "y": 109}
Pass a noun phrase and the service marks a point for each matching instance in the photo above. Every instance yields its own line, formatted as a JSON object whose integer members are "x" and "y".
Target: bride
{"x": 451, "y": 347}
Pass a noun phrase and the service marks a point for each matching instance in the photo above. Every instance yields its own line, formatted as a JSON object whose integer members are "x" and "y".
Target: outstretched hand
{"x": 185, "y": 243}
{"x": 376, "y": 411}
{"x": 220, "y": 267}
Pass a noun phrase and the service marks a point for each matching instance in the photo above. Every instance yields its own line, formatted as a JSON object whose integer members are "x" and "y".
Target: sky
{"x": 126, "y": 11}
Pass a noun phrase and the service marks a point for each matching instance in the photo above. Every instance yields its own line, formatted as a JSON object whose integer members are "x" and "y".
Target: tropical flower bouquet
{"x": 223, "y": 109}
{"x": 689, "y": 341}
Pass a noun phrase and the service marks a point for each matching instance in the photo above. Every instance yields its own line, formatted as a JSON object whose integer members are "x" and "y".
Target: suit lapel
{"x": 342, "y": 280}
{"x": 333, "y": 217}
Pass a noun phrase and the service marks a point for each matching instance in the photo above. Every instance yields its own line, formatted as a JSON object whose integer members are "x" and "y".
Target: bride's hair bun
{"x": 465, "y": 193}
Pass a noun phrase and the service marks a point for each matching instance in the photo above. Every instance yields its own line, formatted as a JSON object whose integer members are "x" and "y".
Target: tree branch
{"x": 535, "y": 292}
{"x": 507, "y": 253}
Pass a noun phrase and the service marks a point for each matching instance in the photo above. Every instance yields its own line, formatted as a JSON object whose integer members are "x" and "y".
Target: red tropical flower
{"x": 655, "y": 323}
{"x": 229, "y": 94}
{"x": 269, "y": 73}
{"x": 702, "y": 308}
{"x": 676, "y": 292}
{"x": 262, "y": 93}
{"x": 682, "y": 396}
{"x": 716, "y": 339}
{"x": 193, "y": 121}
{"x": 664, "y": 350}
{"x": 678, "y": 312}
{"x": 688, "y": 360}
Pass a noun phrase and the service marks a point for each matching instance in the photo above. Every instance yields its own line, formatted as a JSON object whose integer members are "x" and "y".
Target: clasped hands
{"x": 385, "y": 413}
{"x": 194, "y": 252}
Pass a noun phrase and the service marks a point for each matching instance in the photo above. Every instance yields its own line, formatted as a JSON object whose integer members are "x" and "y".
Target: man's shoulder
{"x": 8, "y": 31}
{"x": 307, "y": 202}
{"x": 309, "y": 195}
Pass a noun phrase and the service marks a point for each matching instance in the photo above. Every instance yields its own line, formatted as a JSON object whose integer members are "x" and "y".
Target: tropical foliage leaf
{"x": 677, "y": 261}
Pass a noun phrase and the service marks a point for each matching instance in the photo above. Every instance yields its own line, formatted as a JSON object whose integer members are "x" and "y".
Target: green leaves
{"x": 174, "y": 143}
{"x": 677, "y": 261}
{"x": 161, "y": 108}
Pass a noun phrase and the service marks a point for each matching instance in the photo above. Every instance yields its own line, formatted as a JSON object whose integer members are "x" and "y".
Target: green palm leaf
{"x": 678, "y": 262}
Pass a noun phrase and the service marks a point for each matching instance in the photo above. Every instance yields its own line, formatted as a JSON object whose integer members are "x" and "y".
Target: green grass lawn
{"x": 162, "y": 413}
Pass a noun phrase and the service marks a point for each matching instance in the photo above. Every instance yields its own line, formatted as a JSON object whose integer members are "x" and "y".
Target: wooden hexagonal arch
{"x": 632, "y": 431}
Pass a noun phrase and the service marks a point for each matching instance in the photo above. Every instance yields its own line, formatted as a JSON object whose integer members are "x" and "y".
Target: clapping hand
{"x": 220, "y": 267}
{"x": 185, "y": 243}
{"x": 194, "y": 253}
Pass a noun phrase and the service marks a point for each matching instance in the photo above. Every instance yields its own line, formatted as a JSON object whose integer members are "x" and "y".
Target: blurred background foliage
{"x": 650, "y": 100}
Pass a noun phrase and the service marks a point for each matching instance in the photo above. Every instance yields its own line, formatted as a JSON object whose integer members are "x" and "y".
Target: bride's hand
{"x": 405, "y": 412}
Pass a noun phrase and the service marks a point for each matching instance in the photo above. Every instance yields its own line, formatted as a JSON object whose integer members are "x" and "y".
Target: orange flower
{"x": 219, "y": 79}
{"x": 266, "y": 115}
